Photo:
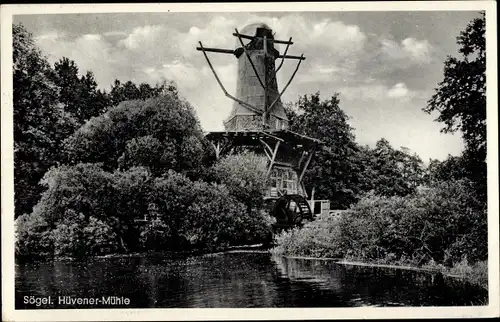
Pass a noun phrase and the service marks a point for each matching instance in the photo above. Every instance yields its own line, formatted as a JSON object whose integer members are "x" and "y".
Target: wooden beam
{"x": 225, "y": 147}
{"x": 306, "y": 165}
{"x": 217, "y": 149}
{"x": 269, "y": 151}
{"x": 272, "y": 136}
{"x": 284, "y": 42}
{"x": 276, "y": 41}
{"x": 301, "y": 158}
{"x": 216, "y": 50}
{"x": 273, "y": 158}
{"x": 286, "y": 86}
{"x": 268, "y": 155}
{"x": 292, "y": 57}
{"x": 283, "y": 58}
{"x": 264, "y": 115}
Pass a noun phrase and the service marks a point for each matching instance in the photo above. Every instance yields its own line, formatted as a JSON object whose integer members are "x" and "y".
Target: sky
{"x": 384, "y": 65}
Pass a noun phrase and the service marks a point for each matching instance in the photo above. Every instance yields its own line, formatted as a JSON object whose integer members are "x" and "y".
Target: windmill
{"x": 258, "y": 121}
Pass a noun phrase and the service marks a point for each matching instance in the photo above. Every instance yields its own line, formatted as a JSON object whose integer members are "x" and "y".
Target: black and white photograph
{"x": 249, "y": 156}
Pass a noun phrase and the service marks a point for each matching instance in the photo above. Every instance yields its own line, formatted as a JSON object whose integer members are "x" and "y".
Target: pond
{"x": 232, "y": 280}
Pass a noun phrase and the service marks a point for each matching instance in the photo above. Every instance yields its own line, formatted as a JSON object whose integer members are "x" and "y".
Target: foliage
{"x": 128, "y": 91}
{"x": 86, "y": 196}
{"x": 160, "y": 133}
{"x": 204, "y": 215}
{"x": 99, "y": 237}
{"x": 476, "y": 273}
{"x": 155, "y": 235}
{"x": 444, "y": 223}
{"x": 390, "y": 172}
{"x": 86, "y": 210}
{"x": 32, "y": 236}
{"x": 40, "y": 123}
{"x": 331, "y": 171}
{"x": 318, "y": 238}
{"x": 343, "y": 171}
{"x": 460, "y": 99}
{"x": 50, "y": 103}
{"x": 214, "y": 218}
{"x": 84, "y": 188}
{"x": 245, "y": 176}
{"x": 79, "y": 95}
{"x": 67, "y": 236}
{"x": 75, "y": 236}
{"x": 452, "y": 168}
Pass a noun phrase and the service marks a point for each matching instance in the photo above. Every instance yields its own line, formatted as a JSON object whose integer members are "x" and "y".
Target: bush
{"x": 155, "y": 235}
{"x": 443, "y": 224}
{"x": 204, "y": 215}
{"x": 32, "y": 236}
{"x": 99, "y": 237}
{"x": 68, "y": 235}
{"x": 84, "y": 188}
{"x": 319, "y": 238}
{"x": 87, "y": 209}
{"x": 245, "y": 176}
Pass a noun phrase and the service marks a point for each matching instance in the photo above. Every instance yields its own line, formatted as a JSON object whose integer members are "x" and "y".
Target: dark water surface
{"x": 237, "y": 280}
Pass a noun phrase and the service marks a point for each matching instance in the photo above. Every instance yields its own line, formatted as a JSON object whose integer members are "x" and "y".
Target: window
{"x": 283, "y": 178}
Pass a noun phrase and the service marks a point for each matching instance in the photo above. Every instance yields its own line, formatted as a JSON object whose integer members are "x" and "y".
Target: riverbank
{"x": 476, "y": 274}
{"x": 157, "y": 254}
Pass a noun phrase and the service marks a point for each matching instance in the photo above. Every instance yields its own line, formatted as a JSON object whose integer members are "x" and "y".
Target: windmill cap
{"x": 256, "y": 29}
{"x": 251, "y": 29}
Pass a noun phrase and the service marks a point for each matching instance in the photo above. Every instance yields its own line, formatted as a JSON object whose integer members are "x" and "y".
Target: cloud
{"x": 90, "y": 52}
{"x": 51, "y": 36}
{"x": 409, "y": 50}
{"x": 142, "y": 37}
{"x": 398, "y": 91}
{"x": 371, "y": 90}
{"x": 92, "y": 37}
{"x": 419, "y": 50}
{"x": 199, "y": 86}
{"x": 115, "y": 33}
{"x": 217, "y": 33}
{"x": 364, "y": 92}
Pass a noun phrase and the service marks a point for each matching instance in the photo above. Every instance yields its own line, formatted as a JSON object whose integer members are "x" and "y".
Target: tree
{"x": 453, "y": 168}
{"x": 79, "y": 95}
{"x": 393, "y": 172}
{"x": 92, "y": 101}
{"x": 66, "y": 78}
{"x": 332, "y": 170}
{"x": 460, "y": 99}
{"x": 129, "y": 91}
{"x": 40, "y": 122}
{"x": 160, "y": 133}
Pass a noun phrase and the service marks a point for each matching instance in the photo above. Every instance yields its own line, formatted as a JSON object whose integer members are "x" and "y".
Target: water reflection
{"x": 238, "y": 280}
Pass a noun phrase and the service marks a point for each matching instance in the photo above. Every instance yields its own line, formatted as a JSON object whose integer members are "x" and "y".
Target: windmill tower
{"x": 258, "y": 121}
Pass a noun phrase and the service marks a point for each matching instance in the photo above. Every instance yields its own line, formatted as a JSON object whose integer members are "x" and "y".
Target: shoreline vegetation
{"x": 439, "y": 229}
{"x": 475, "y": 274}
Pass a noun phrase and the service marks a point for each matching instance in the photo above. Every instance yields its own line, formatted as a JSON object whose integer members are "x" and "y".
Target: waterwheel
{"x": 291, "y": 211}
